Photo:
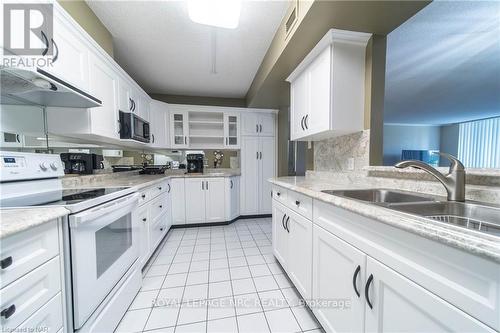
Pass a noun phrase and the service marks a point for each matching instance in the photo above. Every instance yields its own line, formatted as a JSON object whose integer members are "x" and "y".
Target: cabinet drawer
{"x": 300, "y": 203}
{"x": 280, "y": 194}
{"x": 145, "y": 195}
{"x": 158, "y": 206}
{"x": 28, "y": 250}
{"x": 157, "y": 230}
{"x": 48, "y": 319}
{"x": 158, "y": 189}
{"x": 30, "y": 293}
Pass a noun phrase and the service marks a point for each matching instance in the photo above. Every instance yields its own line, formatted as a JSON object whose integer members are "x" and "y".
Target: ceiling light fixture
{"x": 219, "y": 13}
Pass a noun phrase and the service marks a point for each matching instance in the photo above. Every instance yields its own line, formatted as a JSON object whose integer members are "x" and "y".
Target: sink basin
{"x": 468, "y": 215}
{"x": 380, "y": 195}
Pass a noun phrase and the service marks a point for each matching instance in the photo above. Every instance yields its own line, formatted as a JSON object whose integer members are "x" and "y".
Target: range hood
{"x": 38, "y": 87}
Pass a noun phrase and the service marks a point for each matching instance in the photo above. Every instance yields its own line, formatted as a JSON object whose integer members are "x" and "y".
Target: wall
{"x": 399, "y": 137}
{"x": 86, "y": 18}
{"x": 449, "y": 142}
{"x": 199, "y": 100}
{"x": 333, "y": 154}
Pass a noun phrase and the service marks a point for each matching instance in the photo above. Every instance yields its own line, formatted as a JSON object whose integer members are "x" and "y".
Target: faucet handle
{"x": 455, "y": 165}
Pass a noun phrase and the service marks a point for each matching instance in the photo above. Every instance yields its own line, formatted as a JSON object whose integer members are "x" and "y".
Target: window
{"x": 479, "y": 143}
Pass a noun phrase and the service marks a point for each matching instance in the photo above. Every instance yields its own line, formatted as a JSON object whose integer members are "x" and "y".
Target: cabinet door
{"x": 103, "y": 85}
{"x": 124, "y": 96}
{"x": 235, "y": 197}
{"x": 195, "y": 200}
{"x": 249, "y": 199}
{"x": 298, "y": 106}
{"x": 158, "y": 116}
{"x": 179, "y": 128}
{"x": 177, "y": 199}
{"x": 266, "y": 171}
{"x": 143, "y": 223}
{"x": 214, "y": 200}
{"x": 144, "y": 111}
{"x": 280, "y": 234}
{"x": 335, "y": 277}
{"x": 72, "y": 56}
{"x": 300, "y": 253}
{"x": 266, "y": 124}
{"x": 399, "y": 305}
{"x": 249, "y": 123}
{"x": 232, "y": 128}
{"x": 317, "y": 117}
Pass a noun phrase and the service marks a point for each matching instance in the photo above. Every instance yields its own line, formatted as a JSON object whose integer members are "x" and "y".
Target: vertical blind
{"x": 479, "y": 143}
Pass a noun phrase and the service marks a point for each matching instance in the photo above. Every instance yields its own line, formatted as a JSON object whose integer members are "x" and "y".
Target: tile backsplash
{"x": 335, "y": 154}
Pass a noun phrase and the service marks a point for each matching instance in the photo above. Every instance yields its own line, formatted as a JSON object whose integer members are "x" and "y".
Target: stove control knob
{"x": 43, "y": 166}
{"x": 53, "y": 166}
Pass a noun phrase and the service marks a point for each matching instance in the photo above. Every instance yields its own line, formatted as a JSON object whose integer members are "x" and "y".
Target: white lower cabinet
{"x": 205, "y": 200}
{"x": 232, "y": 185}
{"x": 398, "y": 304}
{"x": 143, "y": 217}
{"x": 178, "y": 199}
{"x": 355, "y": 282}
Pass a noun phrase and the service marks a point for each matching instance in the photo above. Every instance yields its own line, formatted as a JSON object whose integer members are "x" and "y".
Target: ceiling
{"x": 166, "y": 53}
{"x": 443, "y": 65}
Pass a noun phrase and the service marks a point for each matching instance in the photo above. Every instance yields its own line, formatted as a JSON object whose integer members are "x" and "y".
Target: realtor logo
{"x": 28, "y": 28}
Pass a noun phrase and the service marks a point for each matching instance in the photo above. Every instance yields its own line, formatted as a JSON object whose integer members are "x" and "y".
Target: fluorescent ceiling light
{"x": 219, "y": 13}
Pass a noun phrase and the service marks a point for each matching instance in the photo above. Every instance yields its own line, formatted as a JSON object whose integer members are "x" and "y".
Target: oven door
{"x": 104, "y": 245}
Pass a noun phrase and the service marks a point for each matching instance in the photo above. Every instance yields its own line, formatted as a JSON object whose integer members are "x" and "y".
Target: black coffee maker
{"x": 81, "y": 163}
{"x": 195, "y": 163}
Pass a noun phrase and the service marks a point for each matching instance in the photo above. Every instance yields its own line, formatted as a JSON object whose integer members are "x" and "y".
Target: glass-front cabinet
{"x": 179, "y": 128}
{"x": 231, "y": 130}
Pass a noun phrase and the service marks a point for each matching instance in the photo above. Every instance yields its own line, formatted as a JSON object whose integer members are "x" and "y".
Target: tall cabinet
{"x": 258, "y": 163}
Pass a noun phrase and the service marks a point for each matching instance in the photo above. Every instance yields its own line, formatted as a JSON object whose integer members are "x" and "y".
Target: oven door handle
{"x": 128, "y": 203}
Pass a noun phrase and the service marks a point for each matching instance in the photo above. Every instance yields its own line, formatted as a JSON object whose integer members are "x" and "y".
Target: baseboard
{"x": 214, "y": 224}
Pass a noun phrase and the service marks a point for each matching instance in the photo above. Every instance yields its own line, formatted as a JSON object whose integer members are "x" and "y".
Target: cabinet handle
{"x": 260, "y": 128}
{"x": 286, "y": 224}
{"x": 302, "y": 123}
{"x": 354, "y": 278}
{"x": 297, "y": 202}
{"x": 202, "y": 185}
{"x": 161, "y": 206}
{"x": 257, "y": 155}
{"x": 305, "y": 121}
{"x": 367, "y": 289}
{"x": 55, "y": 57}
{"x": 260, "y": 155}
{"x": 130, "y": 102}
{"x": 207, "y": 184}
{"x": 133, "y": 101}
{"x": 231, "y": 183}
{"x": 6, "y": 313}
{"x": 46, "y": 41}
{"x": 144, "y": 219}
{"x": 168, "y": 188}
{"x": 185, "y": 140}
{"x": 18, "y": 139}
{"x": 161, "y": 229}
{"x": 153, "y": 136}
{"x": 4, "y": 263}
{"x": 143, "y": 196}
{"x": 159, "y": 188}
{"x": 256, "y": 128}
{"x": 278, "y": 194}
{"x": 226, "y": 142}
{"x": 283, "y": 221}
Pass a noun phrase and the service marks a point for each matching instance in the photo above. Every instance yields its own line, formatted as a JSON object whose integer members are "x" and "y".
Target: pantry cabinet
{"x": 327, "y": 89}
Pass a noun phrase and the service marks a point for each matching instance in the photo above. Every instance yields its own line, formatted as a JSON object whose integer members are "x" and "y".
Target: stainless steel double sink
{"x": 470, "y": 215}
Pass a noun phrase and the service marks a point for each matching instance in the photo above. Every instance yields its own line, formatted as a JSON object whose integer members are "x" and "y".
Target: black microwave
{"x": 134, "y": 127}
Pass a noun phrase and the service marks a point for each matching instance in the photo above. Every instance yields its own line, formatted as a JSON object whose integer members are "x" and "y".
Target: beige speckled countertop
{"x": 13, "y": 221}
{"x": 482, "y": 244}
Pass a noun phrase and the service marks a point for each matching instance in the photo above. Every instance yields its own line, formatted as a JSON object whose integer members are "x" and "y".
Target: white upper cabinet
{"x": 179, "y": 129}
{"x": 232, "y": 129}
{"x": 159, "y": 124}
{"x": 327, "y": 89}
{"x": 143, "y": 109}
{"x": 257, "y": 123}
{"x": 70, "y": 59}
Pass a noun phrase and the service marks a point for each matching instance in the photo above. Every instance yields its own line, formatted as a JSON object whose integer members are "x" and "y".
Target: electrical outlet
{"x": 350, "y": 163}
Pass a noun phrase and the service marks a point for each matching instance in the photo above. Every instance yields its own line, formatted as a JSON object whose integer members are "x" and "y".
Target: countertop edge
{"x": 17, "y": 220}
{"x": 433, "y": 230}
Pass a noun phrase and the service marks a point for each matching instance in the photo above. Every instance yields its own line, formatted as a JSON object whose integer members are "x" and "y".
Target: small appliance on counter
{"x": 81, "y": 163}
{"x": 195, "y": 163}
{"x": 123, "y": 168}
{"x": 153, "y": 169}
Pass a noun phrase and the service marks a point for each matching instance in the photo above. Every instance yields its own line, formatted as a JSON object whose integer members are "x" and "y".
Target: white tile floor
{"x": 218, "y": 279}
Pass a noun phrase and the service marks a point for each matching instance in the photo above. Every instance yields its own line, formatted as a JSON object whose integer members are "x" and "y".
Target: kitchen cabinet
{"x": 144, "y": 244}
{"x": 280, "y": 234}
{"x": 327, "y": 89}
{"x": 178, "y": 200}
{"x": 257, "y": 166}
{"x": 103, "y": 84}
{"x": 159, "y": 125}
{"x": 338, "y": 273}
{"x": 232, "y": 197}
{"x": 125, "y": 103}
{"x": 179, "y": 129}
{"x": 257, "y": 123}
{"x": 143, "y": 109}
{"x": 232, "y": 129}
{"x": 205, "y": 200}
